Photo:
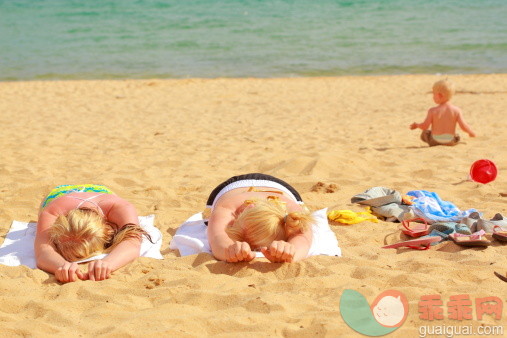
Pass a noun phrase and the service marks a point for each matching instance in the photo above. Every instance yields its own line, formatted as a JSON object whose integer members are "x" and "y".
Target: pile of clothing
{"x": 393, "y": 206}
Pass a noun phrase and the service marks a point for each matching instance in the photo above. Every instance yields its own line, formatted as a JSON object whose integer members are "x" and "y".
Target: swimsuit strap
{"x": 269, "y": 197}
{"x": 89, "y": 199}
{"x": 254, "y": 189}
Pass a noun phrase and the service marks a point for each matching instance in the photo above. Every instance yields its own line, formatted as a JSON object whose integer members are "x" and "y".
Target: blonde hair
{"x": 444, "y": 87}
{"x": 84, "y": 233}
{"x": 268, "y": 221}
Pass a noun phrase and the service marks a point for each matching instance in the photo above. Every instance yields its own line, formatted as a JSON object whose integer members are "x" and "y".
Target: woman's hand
{"x": 279, "y": 252}
{"x": 99, "y": 270}
{"x": 239, "y": 252}
{"x": 69, "y": 272}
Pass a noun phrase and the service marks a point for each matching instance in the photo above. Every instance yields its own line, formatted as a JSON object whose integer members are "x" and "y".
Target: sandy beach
{"x": 165, "y": 144}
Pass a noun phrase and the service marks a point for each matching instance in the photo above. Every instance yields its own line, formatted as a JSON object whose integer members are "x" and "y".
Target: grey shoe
{"x": 499, "y": 220}
{"x": 471, "y": 221}
{"x": 488, "y": 226}
{"x": 485, "y": 225}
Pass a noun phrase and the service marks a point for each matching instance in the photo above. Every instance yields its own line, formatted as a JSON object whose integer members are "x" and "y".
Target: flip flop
{"x": 475, "y": 239}
{"x": 418, "y": 244}
{"x": 416, "y": 230}
{"x": 499, "y": 234}
{"x": 501, "y": 277}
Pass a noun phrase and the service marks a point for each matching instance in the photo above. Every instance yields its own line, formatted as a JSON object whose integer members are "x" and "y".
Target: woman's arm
{"x": 120, "y": 214}
{"x": 294, "y": 249}
{"x": 302, "y": 242}
{"x": 124, "y": 253}
{"x": 45, "y": 253}
{"x": 46, "y": 256}
{"x": 222, "y": 246}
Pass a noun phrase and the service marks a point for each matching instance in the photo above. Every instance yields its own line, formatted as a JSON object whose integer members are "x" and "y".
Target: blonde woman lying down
{"x": 258, "y": 212}
{"x": 80, "y": 221}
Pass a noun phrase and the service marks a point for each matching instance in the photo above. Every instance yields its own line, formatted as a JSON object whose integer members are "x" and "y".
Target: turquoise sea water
{"x": 103, "y": 39}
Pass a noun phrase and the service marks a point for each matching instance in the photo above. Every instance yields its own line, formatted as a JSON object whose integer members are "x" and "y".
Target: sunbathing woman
{"x": 79, "y": 221}
{"x": 257, "y": 212}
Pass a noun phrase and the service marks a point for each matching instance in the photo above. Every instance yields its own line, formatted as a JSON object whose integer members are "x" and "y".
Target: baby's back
{"x": 444, "y": 119}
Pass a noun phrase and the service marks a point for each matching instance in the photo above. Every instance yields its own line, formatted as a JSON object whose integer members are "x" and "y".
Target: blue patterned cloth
{"x": 432, "y": 208}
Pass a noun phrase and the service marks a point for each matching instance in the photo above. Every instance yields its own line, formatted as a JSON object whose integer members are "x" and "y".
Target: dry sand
{"x": 165, "y": 144}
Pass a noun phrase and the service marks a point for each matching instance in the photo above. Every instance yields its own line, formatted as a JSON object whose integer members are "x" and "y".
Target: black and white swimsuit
{"x": 252, "y": 180}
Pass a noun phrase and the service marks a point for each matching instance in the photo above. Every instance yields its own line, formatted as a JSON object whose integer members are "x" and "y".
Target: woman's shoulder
{"x": 231, "y": 199}
{"x": 234, "y": 199}
{"x": 67, "y": 202}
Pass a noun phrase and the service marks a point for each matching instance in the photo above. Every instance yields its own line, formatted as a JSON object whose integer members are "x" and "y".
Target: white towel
{"x": 17, "y": 248}
{"x": 192, "y": 237}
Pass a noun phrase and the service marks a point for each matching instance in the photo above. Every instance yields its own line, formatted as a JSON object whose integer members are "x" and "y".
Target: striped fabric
{"x": 68, "y": 188}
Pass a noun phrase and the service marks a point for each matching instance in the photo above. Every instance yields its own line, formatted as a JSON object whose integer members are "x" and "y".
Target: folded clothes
{"x": 192, "y": 237}
{"x": 17, "y": 248}
{"x": 385, "y": 202}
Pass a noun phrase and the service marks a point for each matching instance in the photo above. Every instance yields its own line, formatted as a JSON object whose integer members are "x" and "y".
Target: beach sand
{"x": 165, "y": 144}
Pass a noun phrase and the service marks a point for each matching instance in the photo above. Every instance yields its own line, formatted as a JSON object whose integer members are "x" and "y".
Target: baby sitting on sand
{"x": 442, "y": 118}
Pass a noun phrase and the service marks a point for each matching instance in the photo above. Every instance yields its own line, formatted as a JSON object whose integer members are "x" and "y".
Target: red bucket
{"x": 483, "y": 171}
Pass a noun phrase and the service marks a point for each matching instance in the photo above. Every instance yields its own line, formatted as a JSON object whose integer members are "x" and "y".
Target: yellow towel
{"x": 349, "y": 217}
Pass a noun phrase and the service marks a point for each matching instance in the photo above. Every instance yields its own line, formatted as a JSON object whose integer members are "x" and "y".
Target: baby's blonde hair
{"x": 84, "y": 233}
{"x": 444, "y": 87}
{"x": 268, "y": 221}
